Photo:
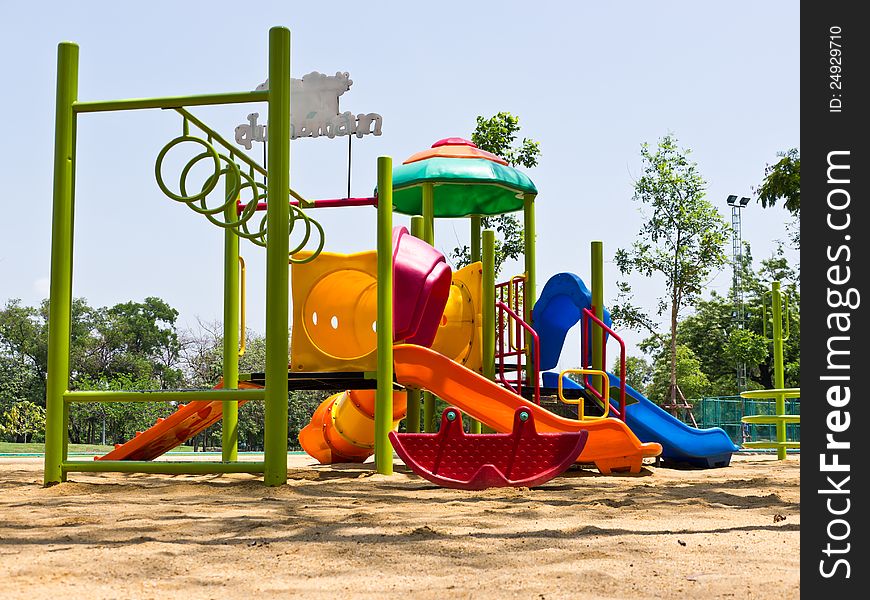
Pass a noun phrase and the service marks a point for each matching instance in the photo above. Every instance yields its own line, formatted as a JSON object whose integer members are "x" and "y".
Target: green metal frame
{"x": 384, "y": 394}
{"x": 597, "y": 252}
{"x": 429, "y": 238}
{"x": 487, "y": 316}
{"x": 232, "y": 318}
{"x": 530, "y": 295}
{"x": 475, "y": 426}
{"x": 275, "y": 394}
{"x": 414, "y": 395}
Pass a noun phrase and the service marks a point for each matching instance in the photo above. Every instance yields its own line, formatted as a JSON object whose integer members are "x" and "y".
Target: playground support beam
{"x": 232, "y": 317}
{"x": 474, "y": 425}
{"x": 487, "y": 325}
{"x": 277, "y": 251}
{"x": 778, "y": 366}
{"x": 597, "y": 250}
{"x": 164, "y": 395}
{"x": 60, "y": 297}
{"x": 429, "y": 238}
{"x": 171, "y": 102}
{"x": 384, "y": 394}
{"x": 412, "y": 419}
{"x": 529, "y": 299}
{"x": 161, "y": 467}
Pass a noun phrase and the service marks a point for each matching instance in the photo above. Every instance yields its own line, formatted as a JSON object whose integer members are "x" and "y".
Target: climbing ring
{"x": 211, "y": 182}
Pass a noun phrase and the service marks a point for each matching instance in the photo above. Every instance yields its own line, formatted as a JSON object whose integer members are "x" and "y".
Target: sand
{"x": 343, "y": 532}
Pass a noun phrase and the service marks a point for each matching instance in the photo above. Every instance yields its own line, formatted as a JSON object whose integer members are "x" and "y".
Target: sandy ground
{"x": 342, "y": 532}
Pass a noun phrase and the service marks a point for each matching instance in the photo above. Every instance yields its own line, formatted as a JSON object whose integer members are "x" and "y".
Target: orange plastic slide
{"x": 611, "y": 445}
{"x": 172, "y": 431}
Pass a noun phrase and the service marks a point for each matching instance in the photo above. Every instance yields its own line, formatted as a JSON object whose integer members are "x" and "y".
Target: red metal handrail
{"x": 322, "y": 203}
{"x": 586, "y": 360}
{"x": 504, "y": 351}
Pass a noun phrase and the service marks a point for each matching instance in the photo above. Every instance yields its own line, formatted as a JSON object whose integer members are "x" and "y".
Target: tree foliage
{"x": 638, "y": 372}
{"x": 498, "y": 134}
{"x": 682, "y": 239}
{"x": 712, "y": 333}
{"x": 782, "y": 181}
{"x": 128, "y": 346}
{"x": 22, "y": 419}
{"x": 691, "y": 379}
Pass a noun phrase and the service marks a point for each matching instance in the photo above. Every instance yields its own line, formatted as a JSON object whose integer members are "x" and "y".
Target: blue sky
{"x": 590, "y": 81}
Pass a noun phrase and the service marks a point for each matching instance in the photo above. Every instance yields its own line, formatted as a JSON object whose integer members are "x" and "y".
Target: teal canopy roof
{"x": 462, "y": 187}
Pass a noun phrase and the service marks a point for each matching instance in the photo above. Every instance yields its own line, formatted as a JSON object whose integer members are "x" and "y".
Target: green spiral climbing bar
{"x": 239, "y": 183}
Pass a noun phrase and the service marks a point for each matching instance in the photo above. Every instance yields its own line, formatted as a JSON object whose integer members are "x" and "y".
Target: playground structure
{"x": 385, "y": 331}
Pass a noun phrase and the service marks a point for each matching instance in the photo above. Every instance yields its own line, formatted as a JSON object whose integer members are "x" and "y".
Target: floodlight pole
{"x": 738, "y": 316}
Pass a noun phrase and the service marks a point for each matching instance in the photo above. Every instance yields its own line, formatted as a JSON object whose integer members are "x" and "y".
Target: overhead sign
{"x": 314, "y": 111}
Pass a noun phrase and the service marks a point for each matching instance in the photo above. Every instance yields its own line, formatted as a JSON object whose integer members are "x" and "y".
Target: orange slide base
{"x": 174, "y": 430}
{"x": 611, "y": 445}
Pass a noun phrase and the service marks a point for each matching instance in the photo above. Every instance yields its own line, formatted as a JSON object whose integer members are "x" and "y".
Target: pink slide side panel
{"x": 421, "y": 286}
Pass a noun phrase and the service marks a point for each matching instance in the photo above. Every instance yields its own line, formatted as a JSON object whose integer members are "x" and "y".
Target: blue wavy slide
{"x": 557, "y": 310}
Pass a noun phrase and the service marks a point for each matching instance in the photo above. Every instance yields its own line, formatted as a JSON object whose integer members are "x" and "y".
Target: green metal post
{"x": 429, "y": 213}
{"x": 428, "y": 412}
{"x": 778, "y": 367}
{"x": 475, "y": 426}
{"x": 529, "y": 300}
{"x": 277, "y": 252}
{"x": 598, "y": 307}
{"x": 475, "y": 238}
{"x": 488, "y": 301}
{"x": 429, "y": 238}
{"x": 487, "y": 325}
{"x": 384, "y": 395}
{"x": 60, "y": 297}
{"x": 412, "y": 420}
{"x": 230, "y": 418}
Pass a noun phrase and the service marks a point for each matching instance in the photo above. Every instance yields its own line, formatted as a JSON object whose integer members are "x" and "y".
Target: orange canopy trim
{"x": 454, "y": 148}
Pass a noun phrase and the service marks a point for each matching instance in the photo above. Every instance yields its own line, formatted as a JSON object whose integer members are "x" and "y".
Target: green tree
{"x": 782, "y": 181}
{"x": 711, "y": 331}
{"x": 691, "y": 379}
{"x": 682, "y": 239}
{"x": 21, "y": 419}
{"x": 498, "y": 134}
{"x": 638, "y": 372}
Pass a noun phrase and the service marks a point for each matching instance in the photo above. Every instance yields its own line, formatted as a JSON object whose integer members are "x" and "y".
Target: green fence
{"x": 727, "y": 411}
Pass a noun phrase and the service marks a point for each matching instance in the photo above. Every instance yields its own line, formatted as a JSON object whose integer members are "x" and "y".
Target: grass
{"x": 39, "y": 448}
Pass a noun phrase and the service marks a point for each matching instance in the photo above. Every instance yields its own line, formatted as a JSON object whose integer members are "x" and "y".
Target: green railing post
{"x": 384, "y": 395}
{"x": 476, "y": 225}
{"x": 487, "y": 318}
{"x": 598, "y": 307}
{"x": 415, "y": 397}
{"x": 429, "y": 213}
{"x": 474, "y": 425}
{"x": 778, "y": 367}
{"x": 429, "y": 238}
{"x": 277, "y": 249}
{"x": 529, "y": 299}
{"x": 60, "y": 298}
{"x": 230, "y": 417}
